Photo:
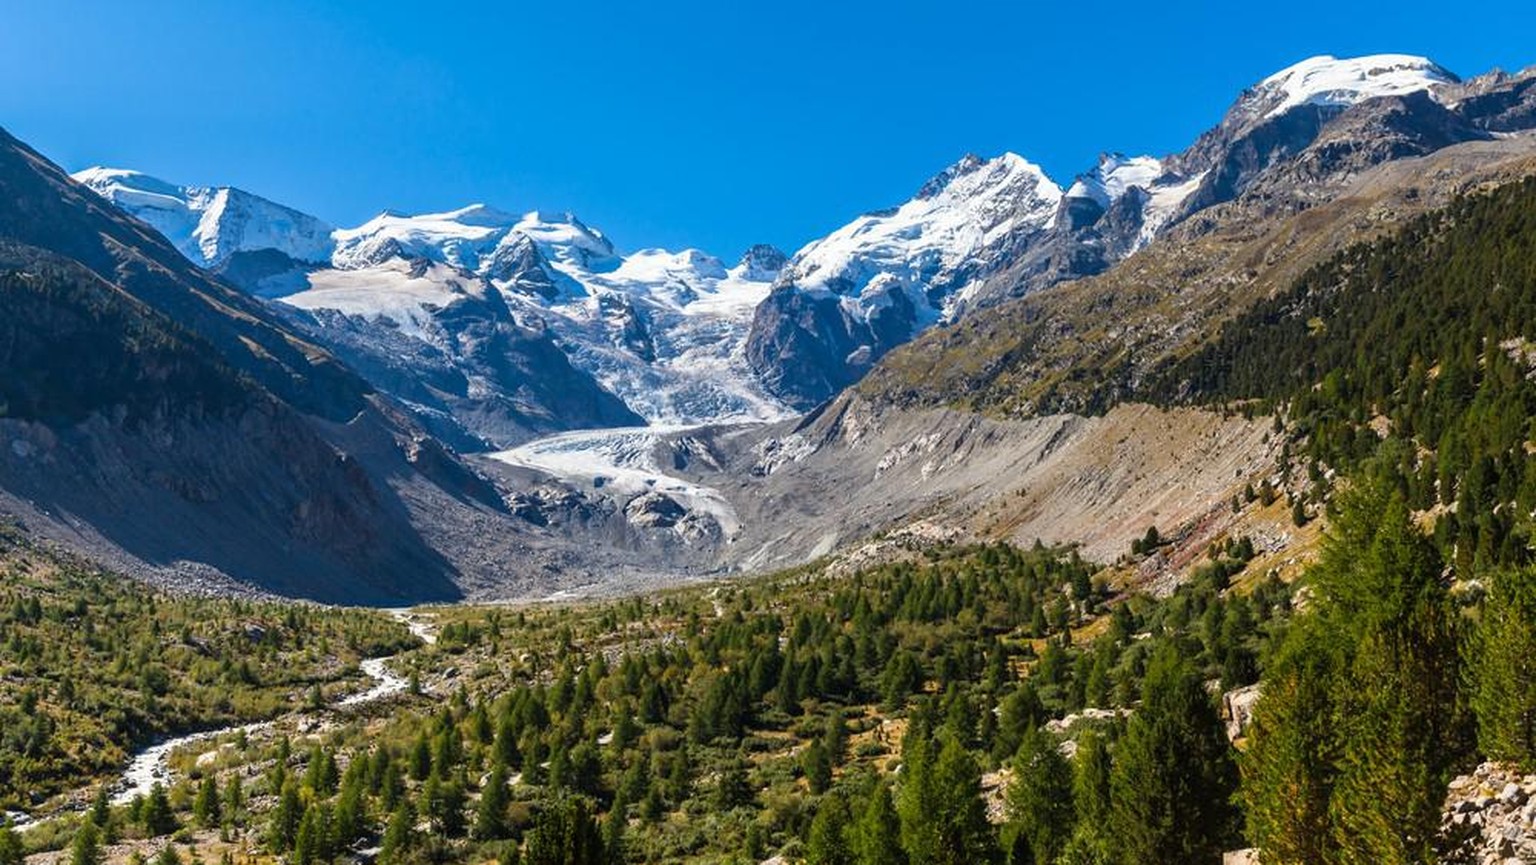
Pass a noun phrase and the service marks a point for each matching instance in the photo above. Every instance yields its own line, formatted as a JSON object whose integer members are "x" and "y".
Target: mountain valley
{"x": 1184, "y": 513}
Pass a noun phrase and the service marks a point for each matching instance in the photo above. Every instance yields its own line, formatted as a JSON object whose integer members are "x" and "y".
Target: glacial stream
{"x": 152, "y": 765}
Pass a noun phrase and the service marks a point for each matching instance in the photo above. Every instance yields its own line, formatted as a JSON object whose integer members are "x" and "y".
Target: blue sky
{"x": 708, "y": 124}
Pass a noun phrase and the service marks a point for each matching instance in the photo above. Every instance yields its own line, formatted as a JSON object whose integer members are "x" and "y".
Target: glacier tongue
{"x": 620, "y": 461}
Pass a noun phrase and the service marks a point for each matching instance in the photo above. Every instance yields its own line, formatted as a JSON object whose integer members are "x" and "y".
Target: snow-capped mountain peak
{"x": 564, "y": 238}
{"x": 208, "y": 224}
{"x": 973, "y": 176}
{"x": 1114, "y": 175}
{"x": 760, "y": 263}
{"x": 481, "y": 215}
{"x": 1333, "y": 82}
{"x": 932, "y": 240}
{"x": 941, "y": 181}
{"x": 851, "y": 296}
{"x": 470, "y": 237}
{"x": 99, "y": 177}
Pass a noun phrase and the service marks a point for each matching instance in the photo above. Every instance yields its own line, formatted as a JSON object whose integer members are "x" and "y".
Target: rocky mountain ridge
{"x": 1294, "y": 140}
{"x": 679, "y": 338}
{"x": 169, "y": 422}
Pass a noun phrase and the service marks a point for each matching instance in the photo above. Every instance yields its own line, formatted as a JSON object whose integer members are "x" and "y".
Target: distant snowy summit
{"x": 1327, "y": 81}
{"x": 477, "y": 238}
{"x": 208, "y": 224}
{"x": 663, "y": 331}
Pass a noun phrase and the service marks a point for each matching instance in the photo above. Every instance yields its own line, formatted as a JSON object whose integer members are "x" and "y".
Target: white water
{"x": 151, "y": 766}
{"x": 386, "y": 682}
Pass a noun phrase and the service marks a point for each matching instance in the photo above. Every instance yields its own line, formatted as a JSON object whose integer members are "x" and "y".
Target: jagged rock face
{"x": 1499, "y": 102}
{"x": 808, "y": 347}
{"x": 520, "y": 267}
{"x": 762, "y": 263}
{"x": 844, "y": 301}
{"x": 1381, "y": 130}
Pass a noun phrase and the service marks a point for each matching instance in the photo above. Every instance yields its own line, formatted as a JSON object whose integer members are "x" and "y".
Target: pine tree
{"x": 101, "y": 812}
{"x": 1290, "y": 766}
{"x": 284, "y": 820}
{"x": 86, "y": 848}
{"x": 614, "y": 827}
{"x": 817, "y": 765}
{"x": 399, "y": 836}
{"x": 234, "y": 797}
{"x": 876, "y": 837}
{"x": 918, "y": 801}
{"x": 1021, "y": 710}
{"x": 1040, "y": 810}
{"x": 421, "y": 758}
{"x": 1501, "y": 672}
{"x": 828, "y": 842}
{"x": 445, "y": 807}
{"x": 311, "y": 841}
{"x": 564, "y": 834}
{"x": 1090, "y": 841}
{"x": 732, "y": 790}
{"x": 1173, "y": 774}
{"x": 157, "y": 815}
{"x": 491, "y": 813}
{"x": 11, "y": 850}
{"x": 963, "y": 834}
{"x": 1399, "y": 732}
{"x": 351, "y": 814}
{"x": 205, "y": 806}
{"x": 321, "y": 774}
{"x": 505, "y": 748}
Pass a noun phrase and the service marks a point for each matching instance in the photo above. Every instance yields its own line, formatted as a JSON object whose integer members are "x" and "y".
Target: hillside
{"x": 1087, "y": 345}
{"x": 171, "y": 425}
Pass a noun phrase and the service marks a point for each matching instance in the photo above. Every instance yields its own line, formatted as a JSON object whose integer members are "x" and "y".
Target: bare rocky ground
{"x": 1490, "y": 818}
{"x": 865, "y": 484}
{"x": 856, "y": 472}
